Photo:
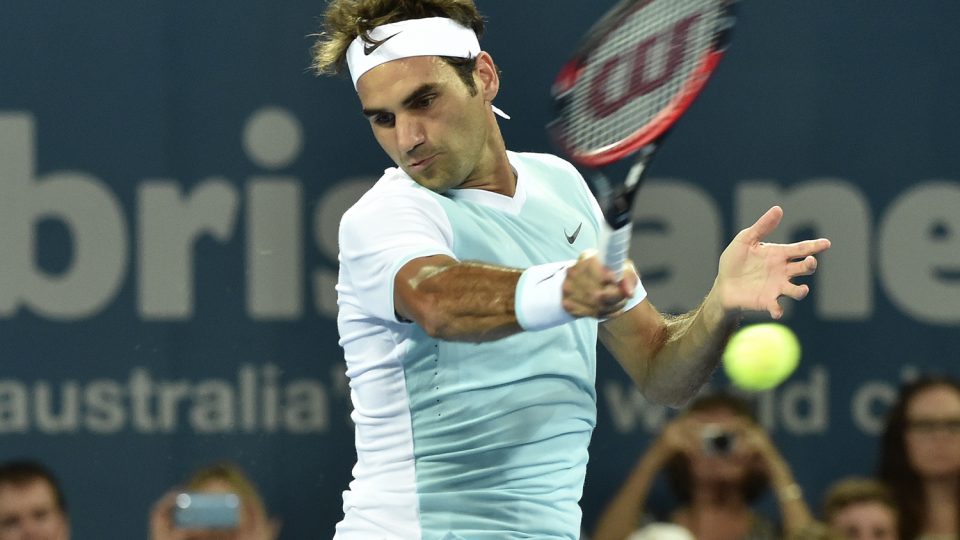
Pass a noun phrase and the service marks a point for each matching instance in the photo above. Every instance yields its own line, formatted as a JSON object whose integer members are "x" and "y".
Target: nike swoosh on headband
{"x": 368, "y": 48}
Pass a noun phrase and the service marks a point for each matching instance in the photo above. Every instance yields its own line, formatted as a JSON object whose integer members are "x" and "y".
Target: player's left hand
{"x": 753, "y": 274}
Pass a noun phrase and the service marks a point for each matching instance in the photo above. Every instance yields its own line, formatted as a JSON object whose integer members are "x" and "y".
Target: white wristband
{"x": 539, "y": 298}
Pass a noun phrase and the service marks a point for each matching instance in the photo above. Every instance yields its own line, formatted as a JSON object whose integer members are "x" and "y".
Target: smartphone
{"x": 206, "y": 511}
{"x": 717, "y": 440}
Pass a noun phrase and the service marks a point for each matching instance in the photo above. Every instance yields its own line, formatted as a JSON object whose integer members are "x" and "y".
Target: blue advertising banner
{"x": 172, "y": 175}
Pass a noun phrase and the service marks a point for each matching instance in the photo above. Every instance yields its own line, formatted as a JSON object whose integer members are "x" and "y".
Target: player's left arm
{"x": 671, "y": 357}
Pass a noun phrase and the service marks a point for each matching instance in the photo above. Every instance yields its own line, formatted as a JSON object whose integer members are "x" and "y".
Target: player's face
{"x": 29, "y": 512}
{"x": 933, "y": 432}
{"x": 427, "y": 121}
{"x": 865, "y": 521}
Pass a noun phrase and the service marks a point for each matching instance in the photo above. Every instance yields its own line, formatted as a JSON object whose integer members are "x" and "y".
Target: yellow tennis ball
{"x": 761, "y": 356}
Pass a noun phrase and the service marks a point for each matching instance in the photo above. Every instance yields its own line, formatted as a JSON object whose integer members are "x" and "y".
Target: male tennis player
{"x": 471, "y": 297}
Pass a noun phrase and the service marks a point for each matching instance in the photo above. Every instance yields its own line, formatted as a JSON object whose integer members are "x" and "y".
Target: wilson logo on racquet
{"x": 641, "y": 81}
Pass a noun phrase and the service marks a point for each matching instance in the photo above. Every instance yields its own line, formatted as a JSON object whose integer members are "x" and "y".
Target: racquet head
{"x": 636, "y": 72}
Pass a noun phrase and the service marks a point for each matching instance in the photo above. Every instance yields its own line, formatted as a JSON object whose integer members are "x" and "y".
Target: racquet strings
{"x": 651, "y": 29}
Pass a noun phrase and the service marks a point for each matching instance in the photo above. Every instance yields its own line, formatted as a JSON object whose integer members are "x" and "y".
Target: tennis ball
{"x": 761, "y": 356}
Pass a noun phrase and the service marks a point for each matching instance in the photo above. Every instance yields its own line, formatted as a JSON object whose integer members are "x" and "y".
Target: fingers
{"x": 161, "y": 520}
{"x": 775, "y": 310}
{"x": 590, "y": 267}
{"x": 628, "y": 285}
{"x": 807, "y": 247}
{"x": 680, "y": 436}
{"x": 755, "y": 274}
{"x": 599, "y": 303}
{"x": 592, "y": 290}
{"x": 763, "y": 226}
{"x": 805, "y": 267}
{"x": 797, "y": 292}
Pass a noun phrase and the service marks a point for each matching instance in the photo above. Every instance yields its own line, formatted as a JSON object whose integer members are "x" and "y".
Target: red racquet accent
{"x": 658, "y": 126}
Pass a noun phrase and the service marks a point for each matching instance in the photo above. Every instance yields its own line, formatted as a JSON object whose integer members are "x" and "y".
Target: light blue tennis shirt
{"x": 466, "y": 440}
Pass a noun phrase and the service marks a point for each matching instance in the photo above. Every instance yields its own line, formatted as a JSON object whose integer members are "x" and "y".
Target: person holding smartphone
{"x": 218, "y": 502}
{"x": 718, "y": 461}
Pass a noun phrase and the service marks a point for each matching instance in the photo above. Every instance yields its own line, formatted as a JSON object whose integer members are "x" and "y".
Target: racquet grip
{"x": 614, "y": 245}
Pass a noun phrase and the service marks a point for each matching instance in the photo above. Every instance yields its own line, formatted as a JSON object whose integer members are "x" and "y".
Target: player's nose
{"x": 410, "y": 133}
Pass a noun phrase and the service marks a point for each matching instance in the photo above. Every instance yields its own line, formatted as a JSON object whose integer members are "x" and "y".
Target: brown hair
{"x": 344, "y": 20}
{"x": 678, "y": 467}
{"x": 22, "y": 472}
{"x": 895, "y": 469}
{"x": 856, "y": 490}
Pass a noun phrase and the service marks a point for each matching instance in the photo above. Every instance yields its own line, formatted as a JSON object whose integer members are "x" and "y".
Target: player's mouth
{"x": 420, "y": 166}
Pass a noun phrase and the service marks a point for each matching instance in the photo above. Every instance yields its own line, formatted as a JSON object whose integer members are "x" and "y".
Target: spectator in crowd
{"x": 32, "y": 505}
{"x": 861, "y": 509}
{"x": 920, "y": 458}
{"x": 254, "y": 523}
{"x": 718, "y": 461}
{"x": 661, "y": 531}
{"x": 815, "y": 530}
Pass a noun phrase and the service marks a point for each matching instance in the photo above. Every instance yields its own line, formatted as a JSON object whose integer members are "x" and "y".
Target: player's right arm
{"x": 457, "y": 301}
{"x": 398, "y": 265}
{"x": 470, "y": 301}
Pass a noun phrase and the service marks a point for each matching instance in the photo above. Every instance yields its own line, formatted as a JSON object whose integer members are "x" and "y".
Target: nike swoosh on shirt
{"x": 368, "y": 48}
{"x": 571, "y": 238}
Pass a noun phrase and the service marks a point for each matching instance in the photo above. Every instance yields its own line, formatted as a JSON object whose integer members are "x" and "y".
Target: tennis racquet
{"x": 635, "y": 73}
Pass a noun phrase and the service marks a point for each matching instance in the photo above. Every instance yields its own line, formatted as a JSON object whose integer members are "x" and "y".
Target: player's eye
{"x": 384, "y": 119}
{"x": 424, "y": 101}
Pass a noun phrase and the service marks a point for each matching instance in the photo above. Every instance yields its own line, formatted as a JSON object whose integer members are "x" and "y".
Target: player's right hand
{"x": 592, "y": 290}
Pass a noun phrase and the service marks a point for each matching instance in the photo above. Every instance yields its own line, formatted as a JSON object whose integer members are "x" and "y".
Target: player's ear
{"x": 489, "y": 77}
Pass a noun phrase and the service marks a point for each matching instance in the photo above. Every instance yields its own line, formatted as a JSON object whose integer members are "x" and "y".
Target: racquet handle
{"x": 614, "y": 245}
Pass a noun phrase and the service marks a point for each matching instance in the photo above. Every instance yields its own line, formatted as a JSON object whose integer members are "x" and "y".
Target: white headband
{"x": 435, "y": 36}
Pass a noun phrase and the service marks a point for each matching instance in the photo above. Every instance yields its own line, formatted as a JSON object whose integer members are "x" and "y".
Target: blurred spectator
{"x": 718, "y": 461}
{"x": 815, "y": 530}
{"x": 920, "y": 458}
{"x": 32, "y": 506}
{"x": 255, "y": 524}
{"x": 661, "y": 531}
{"x": 861, "y": 509}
